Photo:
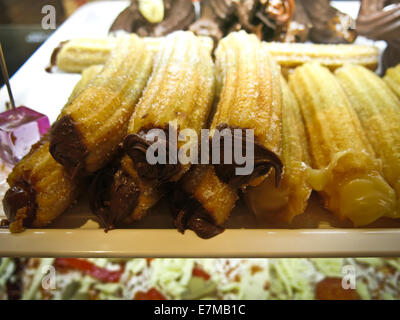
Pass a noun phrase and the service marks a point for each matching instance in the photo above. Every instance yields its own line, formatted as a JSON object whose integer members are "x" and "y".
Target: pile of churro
{"x": 321, "y": 120}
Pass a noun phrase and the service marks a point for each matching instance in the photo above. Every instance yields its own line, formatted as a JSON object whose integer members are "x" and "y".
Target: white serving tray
{"x": 77, "y": 234}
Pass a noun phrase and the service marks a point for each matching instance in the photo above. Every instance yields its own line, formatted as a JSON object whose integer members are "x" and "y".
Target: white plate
{"x": 76, "y": 233}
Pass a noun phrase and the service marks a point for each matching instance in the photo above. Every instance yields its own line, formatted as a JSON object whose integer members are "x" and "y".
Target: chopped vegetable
{"x": 198, "y": 272}
{"x": 332, "y": 289}
{"x": 331, "y": 267}
{"x": 152, "y": 294}
{"x": 88, "y": 268}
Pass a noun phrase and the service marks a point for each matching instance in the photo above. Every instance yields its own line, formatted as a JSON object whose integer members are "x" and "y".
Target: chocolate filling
{"x": 113, "y": 195}
{"x": 264, "y": 160}
{"x": 66, "y": 145}
{"x": 189, "y": 214}
{"x": 20, "y": 196}
{"x": 200, "y": 224}
{"x": 136, "y": 146}
{"x": 53, "y": 59}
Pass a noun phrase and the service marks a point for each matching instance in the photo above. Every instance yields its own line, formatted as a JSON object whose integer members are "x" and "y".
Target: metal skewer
{"x": 5, "y": 76}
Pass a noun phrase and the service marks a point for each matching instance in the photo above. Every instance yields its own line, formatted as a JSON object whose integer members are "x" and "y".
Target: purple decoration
{"x": 20, "y": 128}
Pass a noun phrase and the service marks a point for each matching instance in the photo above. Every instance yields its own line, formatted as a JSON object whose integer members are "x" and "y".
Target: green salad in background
{"x": 158, "y": 279}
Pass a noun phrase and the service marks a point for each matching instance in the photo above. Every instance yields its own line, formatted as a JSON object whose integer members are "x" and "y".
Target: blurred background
{"x": 20, "y": 27}
{"x": 21, "y": 32}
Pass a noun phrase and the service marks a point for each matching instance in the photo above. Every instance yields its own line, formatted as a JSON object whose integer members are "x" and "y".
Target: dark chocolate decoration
{"x": 20, "y": 195}
{"x": 264, "y": 160}
{"x": 178, "y": 15}
{"x": 53, "y": 59}
{"x": 299, "y": 27}
{"x": 125, "y": 20}
{"x": 189, "y": 214}
{"x": 266, "y": 19}
{"x": 246, "y": 11}
{"x": 209, "y": 24}
{"x": 224, "y": 9}
{"x": 329, "y": 24}
{"x": 217, "y": 18}
{"x": 136, "y": 146}
{"x": 269, "y": 20}
{"x": 378, "y": 24}
{"x": 280, "y": 13}
{"x": 113, "y": 195}
{"x": 66, "y": 145}
{"x": 391, "y": 55}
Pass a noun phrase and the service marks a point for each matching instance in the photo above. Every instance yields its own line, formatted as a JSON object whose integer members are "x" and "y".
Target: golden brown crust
{"x": 347, "y": 173}
{"x": 178, "y": 96}
{"x": 52, "y": 190}
{"x": 108, "y": 100}
{"x": 379, "y": 112}
{"x": 250, "y": 96}
{"x": 291, "y": 197}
